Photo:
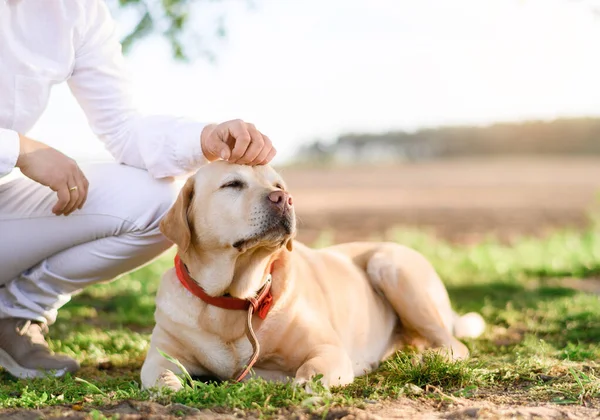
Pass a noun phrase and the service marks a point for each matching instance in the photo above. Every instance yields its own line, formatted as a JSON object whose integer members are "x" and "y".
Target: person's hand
{"x": 237, "y": 142}
{"x": 53, "y": 169}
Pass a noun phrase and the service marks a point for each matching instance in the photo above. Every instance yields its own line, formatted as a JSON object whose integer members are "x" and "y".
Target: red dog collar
{"x": 261, "y": 303}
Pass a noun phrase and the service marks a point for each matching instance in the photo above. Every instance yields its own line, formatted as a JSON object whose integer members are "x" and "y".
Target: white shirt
{"x": 45, "y": 42}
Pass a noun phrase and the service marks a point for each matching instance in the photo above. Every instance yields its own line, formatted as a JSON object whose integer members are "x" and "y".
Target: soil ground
{"x": 490, "y": 407}
{"x": 460, "y": 200}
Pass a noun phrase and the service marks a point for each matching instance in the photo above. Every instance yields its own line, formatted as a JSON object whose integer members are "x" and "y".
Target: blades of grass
{"x": 177, "y": 363}
{"x": 578, "y": 380}
{"x": 90, "y": 386}
{"x": 565, "y": 401}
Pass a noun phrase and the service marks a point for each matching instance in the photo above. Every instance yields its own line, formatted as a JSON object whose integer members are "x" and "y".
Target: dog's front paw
{"x": 314, "y": 386}
{"x": 308, "y": 380}
{"x": 312, "y": 383}
{"x": 300, "y": 384}
{"x": 168, "y": 380}
{"x": 305, "y": 384}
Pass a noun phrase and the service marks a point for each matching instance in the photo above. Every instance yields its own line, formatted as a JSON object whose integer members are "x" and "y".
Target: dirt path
{"x": 403, "y": 408}
{"x": 460, "y": 200}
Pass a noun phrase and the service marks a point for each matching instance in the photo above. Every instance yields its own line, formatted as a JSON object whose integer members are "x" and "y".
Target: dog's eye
{"x": 236, "y": 183}
{"x": 279, "y": 186}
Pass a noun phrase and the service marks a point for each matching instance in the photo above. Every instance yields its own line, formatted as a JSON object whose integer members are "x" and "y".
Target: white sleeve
{"x": 9, "y": 150}
{"x": 165, "y": 146}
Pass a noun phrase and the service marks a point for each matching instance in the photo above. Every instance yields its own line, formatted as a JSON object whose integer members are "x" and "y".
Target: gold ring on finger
{"x": 73, "y": 188}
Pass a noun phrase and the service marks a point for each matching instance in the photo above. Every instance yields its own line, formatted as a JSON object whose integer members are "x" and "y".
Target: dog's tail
{"x": 469, "y": 325}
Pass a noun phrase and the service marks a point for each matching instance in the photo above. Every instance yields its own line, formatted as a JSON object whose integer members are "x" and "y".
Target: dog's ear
{"x": 175, "y": 225}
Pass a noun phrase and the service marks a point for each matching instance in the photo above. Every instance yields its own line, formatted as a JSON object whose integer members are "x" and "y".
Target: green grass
{"x": 541, "y": 343}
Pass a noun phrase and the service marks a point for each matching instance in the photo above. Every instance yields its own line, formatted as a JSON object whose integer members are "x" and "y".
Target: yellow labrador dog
{"x": 336, "y": 312}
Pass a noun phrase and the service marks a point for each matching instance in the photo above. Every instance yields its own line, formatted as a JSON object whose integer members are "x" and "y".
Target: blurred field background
{"x": 462, "y": 200}
{"x": 460, "y": 183}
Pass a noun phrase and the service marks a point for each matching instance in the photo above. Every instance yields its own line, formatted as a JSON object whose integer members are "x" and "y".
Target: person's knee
{"x": 160, "y": 196}
{"x": 151, "y": 202}
{"x": 132, "y": 195}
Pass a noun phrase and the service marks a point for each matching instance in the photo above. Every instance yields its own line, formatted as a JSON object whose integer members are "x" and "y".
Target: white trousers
{"x": 44, "y": 258}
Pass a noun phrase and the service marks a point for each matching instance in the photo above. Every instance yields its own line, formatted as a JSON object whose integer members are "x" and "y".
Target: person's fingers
{"x": 221, "y": 149}
{"x": 269, "y": 157}
{"x": 209, "y": 142}
{"x": 63, "y": 199}
{"x": 262, "y": 156}
{"x": 256, "y": 146}
{"x": 81, "y": 193}
{"x": 218, "y": 142}
{"x": 73, "y": 188}
{"x": 239, "y": 132}
{"x": 84, "y": 190}
{"x": 238, "y": 142}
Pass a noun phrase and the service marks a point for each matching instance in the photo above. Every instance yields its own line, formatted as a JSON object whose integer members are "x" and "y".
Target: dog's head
{"x": 227, "y": 210}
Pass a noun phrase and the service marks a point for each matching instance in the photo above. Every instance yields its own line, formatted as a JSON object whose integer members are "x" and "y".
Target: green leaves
{"x": 171, "y": 19}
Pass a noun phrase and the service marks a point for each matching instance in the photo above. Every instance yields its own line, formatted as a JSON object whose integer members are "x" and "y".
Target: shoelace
{"x": 36, "y": 336}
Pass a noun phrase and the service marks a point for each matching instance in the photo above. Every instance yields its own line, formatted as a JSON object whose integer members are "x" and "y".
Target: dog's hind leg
{"x": 411, "y": 285}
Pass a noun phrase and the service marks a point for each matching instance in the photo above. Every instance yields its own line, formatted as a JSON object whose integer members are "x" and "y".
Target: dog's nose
{"x": 280, "y": 199}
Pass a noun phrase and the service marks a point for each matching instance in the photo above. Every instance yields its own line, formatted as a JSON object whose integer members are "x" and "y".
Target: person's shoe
{"x": 24, "y": 352}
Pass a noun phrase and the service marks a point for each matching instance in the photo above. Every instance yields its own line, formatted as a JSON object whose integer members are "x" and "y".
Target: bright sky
{"x": 302, "y": 70}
